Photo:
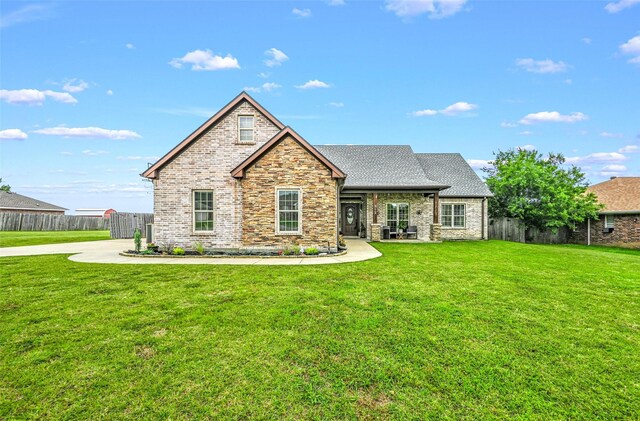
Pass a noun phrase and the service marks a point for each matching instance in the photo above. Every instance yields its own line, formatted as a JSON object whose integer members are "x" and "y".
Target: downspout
{"x": 484, "y": 201}
{"x": 588, "y": 231}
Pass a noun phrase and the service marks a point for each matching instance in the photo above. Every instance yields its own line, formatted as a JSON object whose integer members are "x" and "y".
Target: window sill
{"x": 202, "y": 232}
{"x": 246, "y": 143}
{"x": 288, "y": 233}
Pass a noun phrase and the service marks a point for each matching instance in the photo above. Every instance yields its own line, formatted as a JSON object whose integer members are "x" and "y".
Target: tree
{"x": 4, "y": 187}
{"x": 539, "y": 190}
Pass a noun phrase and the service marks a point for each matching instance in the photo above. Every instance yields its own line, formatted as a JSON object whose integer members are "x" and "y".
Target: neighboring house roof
{"x": 15, "y": 201}
{"x": 618, "y": 195}
{"x": 238, "y": 172}
{"x": 393, "y": 167}
{"x": 93, "y": 212}
{"x": 151, "y": 171}
{"x": 452, "y": 169}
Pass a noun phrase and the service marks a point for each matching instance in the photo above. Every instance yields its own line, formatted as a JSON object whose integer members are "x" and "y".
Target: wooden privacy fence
{"x": 512, "y": 229}
{"x": 49, "y": 222}
{"x": 124, "y": 224}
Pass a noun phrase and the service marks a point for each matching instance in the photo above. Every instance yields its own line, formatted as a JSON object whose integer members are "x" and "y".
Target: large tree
{"x": 541, "y": 191}
{"x": 4, "y": 187}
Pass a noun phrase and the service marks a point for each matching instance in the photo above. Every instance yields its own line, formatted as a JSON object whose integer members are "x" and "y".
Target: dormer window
{"x": 246, "y": 126}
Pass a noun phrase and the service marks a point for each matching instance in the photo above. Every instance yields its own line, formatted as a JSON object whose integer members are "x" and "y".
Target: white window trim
{"x": 277, "y": 207}
{"x": 608, "y": 224}
{"x": 253, "y": 130}
{"x": 386, "y": 213}
{"x": 452, "y": 226}
{"x": 193, "y": 210}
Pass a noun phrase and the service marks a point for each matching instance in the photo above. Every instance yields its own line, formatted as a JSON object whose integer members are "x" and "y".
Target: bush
{"x": 167, "y": 248}
{"x": 291, "y": 250}
{"x": 178, "y": 251}
{"x": 137, "y": 240}
{"x": 311, "y": 251}
{"x": 198, "y": 247}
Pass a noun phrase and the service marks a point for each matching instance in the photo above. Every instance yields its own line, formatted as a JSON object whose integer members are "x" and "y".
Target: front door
{"x": 350, "y": 221}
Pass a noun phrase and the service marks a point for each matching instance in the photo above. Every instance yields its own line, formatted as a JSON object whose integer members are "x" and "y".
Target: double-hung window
{"x": 245, "y": 128}
{"x": 288, "y": 211}
{"x": 397, "y": 215}
{"x": 203, "y": 214}
{"x": 452, "y": 215}
{"x": 608, "y": 221}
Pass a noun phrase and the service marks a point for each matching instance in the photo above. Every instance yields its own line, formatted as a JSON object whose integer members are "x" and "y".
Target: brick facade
{"x": 626, "y": 230}
{"x": 289, "y": 165}
{"x": 206, "y": 164}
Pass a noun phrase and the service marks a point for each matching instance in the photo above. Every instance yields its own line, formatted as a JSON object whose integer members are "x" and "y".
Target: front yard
{"x": 34, "y": 238}
{"x": 459, "y": 330}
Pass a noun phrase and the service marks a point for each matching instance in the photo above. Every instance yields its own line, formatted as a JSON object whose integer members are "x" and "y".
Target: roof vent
{"x": 613, "y": 178}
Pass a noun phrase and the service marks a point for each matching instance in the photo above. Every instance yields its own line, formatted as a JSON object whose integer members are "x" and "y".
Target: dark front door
{"x": 350, "y": 220}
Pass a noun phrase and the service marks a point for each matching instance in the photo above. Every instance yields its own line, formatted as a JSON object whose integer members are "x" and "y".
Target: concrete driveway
{"x": 107, "y": 251}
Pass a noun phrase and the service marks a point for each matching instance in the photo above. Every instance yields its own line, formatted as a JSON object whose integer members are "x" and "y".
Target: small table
{"x": 401, "y": 235}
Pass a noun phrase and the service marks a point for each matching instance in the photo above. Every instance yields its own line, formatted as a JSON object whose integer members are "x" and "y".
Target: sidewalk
{"x": 108, "y": 252}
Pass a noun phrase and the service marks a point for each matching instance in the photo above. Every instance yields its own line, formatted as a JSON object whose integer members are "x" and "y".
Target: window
{"x": 397, "y": 215}
{"x": 608, "y": 221}
{"x": 288, "y": 211}
{"x": 203, "y": 210}
{"x": 452, "y": 215}
{"x": 245, "y": 125}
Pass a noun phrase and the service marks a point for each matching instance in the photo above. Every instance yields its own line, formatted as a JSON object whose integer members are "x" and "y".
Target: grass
{"x": 34, "y": 238}
{"x": 454, "y": 330}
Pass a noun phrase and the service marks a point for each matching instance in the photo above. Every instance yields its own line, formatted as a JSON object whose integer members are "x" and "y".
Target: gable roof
{"x": 368, "y": 167}
{"x": 620, "y": 194}
{"x": 239, "y": 171}
{"x": 17, "y": 202}
{"x": 243, "y": 96}
{"x": 452, "y": 169}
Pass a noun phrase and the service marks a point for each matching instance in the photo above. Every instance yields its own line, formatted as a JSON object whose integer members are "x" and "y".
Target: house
{"x": 619, "y": 220}
{"x": 95, "y": 213}
{"x": 11, "y": 202}
{"x": 245, "y": 180}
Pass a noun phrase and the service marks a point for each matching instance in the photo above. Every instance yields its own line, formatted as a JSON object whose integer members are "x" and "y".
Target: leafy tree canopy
{"x": 539, "y": 190}
{"x": 4, "y": 187}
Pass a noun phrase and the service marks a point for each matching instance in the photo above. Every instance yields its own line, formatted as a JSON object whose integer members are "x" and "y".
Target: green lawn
{"x": 454, "y": 330}
{"x": 33, "y": 238}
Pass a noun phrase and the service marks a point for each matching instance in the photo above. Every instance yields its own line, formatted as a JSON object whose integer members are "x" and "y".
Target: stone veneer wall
{"x": 206, "y": 164}
{"x": 626, "y": 230}
{"x": 472, "y": 231}
{"x": 473, "y": 220}
{"x": 288, "y": 164}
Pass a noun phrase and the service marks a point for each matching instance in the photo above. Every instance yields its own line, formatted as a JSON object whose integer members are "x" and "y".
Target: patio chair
{"x": 393, "y": 232}
{"x": 412, "y": 230}
{"x": 386, "y": 232}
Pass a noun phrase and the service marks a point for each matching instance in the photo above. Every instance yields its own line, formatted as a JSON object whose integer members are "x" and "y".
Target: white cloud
{"x": 611, "y": 170}
{"x": 109, "y": 92}
{"x": 29, "y": 13}
{"x": 526, "y": 133}
{"x": 205, "y": 60}
{"x": 612, "y": 135}
{"x": 93, "y": 132}
{"x": 130, "y": 46}
{"x": 337, "y": 104}
{"x": 12, "y": 134}
{"x": 632, "y": 47}
{"x": 586, "y": 40}
{"x": 313, "y": 84}
{"x": 264, "y": 75}
{"x": 598, "y": 157}
{"x": 451, "y": 110}
{"x": 301, "y": 13}
{"x": 527, "y": 148}
{"x": 336, "y": 3}
{"x": 620, "y": 5}
{"x": 266, "y": 87}
{"x": 629, "y": 149}
{"x": 541, "y": 66}
{"x": 552, "y": 116}
{"x": 436, "y": 9}
{"x": 75, "y": 85}
{"x": 137, "y": 158}
{"x": 568, "y": 81}
{"x": 276, "y": 57}
{"x": 66, "y": 153}
{"x": 478, "y": 164}
{"x": 508, "y": 125}
{"x": 89, "y": 152}
{"x": 34, "y": 96}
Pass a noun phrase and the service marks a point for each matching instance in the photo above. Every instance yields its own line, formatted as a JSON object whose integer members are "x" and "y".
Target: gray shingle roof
{"x": 452, "y": 169}
{"x": 379, "y": 166}
{"x": 10, "y": 200}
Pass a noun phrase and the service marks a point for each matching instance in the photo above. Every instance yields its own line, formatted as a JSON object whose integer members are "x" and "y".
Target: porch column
{"x": 375, "y": 227}
{"x": 436, "y": 227}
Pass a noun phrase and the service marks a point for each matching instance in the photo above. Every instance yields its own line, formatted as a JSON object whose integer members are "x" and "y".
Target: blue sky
{"x": 91, "y": 91}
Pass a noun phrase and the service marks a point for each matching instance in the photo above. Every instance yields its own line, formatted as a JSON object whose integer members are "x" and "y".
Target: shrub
{"x": 198, "y": 247}
{"x": 167, "y": 248}
{"x": 178, "y": 251}
{"x": 291, "y": 250}
{"x": 137, "y": 240}
{"x": 311, "y": 251}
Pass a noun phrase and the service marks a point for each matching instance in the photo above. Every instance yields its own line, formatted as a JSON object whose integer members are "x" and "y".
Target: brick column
{"x": 436, "y": 232}
{"x": 375, "y": 232}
